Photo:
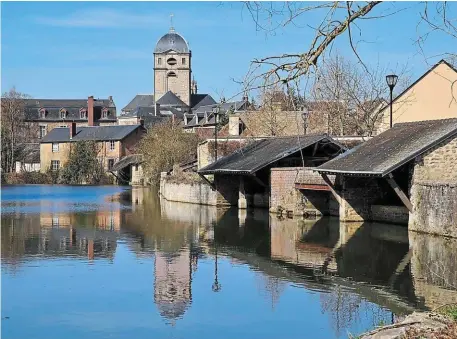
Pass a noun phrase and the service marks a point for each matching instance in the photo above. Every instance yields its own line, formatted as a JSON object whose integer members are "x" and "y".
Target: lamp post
{"x": 391, "y": 80}
{"x": 216, "y": 285}
{"x": 216, "y": 113}
{"x": 305, "y": 115}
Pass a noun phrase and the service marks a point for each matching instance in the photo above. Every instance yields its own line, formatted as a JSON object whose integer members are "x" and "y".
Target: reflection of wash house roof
{"x": 52, "y": 110}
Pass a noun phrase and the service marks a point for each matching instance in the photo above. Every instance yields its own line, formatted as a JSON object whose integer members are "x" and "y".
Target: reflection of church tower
{"x": 172, "y": 67}
{"x": 172, "y": 283}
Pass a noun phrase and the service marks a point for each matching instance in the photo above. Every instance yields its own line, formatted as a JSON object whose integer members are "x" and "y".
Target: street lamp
{"x": 305, "y": 115}
{"x": 216, "y": 285}
{"x": 215, "y": 113}
{"x": 391, "y": 80}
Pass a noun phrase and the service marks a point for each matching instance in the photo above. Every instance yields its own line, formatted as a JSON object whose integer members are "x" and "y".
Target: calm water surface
{"x": 114, "y": 262}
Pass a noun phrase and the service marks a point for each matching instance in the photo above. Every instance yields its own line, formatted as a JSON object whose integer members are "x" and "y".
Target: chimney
{"x": 110, "y": 98}
{"x": 90, "y": 110}
{"x": 72, "y": 130}
{"x": 234, "y": 125}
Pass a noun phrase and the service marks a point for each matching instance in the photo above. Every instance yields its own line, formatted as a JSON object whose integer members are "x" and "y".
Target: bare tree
{"x": 14, "y": 128}
{"x": 348, "y": 98}
{"x": 335, "y": 20}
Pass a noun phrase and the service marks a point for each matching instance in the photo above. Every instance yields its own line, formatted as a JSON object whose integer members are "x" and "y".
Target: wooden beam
{"x": 257, "y": 180}
{"x": 313, "y": 187}
{"x": 400, "y": 193}
{"x": 330, "y": 185}
{"x": 209, "y": 182}
{"x": 316, "y": 145}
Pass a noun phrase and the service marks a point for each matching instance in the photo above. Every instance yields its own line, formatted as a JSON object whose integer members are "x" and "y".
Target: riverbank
{"x": 439, "y": 325}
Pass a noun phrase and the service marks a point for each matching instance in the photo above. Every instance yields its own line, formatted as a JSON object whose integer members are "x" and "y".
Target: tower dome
{"x": 172, "y": 41}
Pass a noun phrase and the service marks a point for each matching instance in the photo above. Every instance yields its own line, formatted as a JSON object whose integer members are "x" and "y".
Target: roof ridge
{"x": 423, "y": 121}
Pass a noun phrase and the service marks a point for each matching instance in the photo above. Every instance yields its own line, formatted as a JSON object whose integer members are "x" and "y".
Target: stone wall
{"x": 393, "y": 214}
{"x": 357, "y": 195}
{"x": 196, "y": 193}
{"x": 285, "y": 196}
{"x": 435, "y": 208}
{"x": 434, "y": 190}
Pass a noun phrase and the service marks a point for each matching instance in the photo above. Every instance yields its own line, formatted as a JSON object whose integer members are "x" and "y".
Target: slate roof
{"x": 224, "y": 107}
{"x": 197, "y": 100}
{"x": 140, "y": 100}
{"x": 98, "y": 133}
{"x": 170, "y": 99}
{"x": 127, "y": 161}
{"x": 72, "y": 106}
{"x": 261, "y": 153}
{"x": 391, "y": 149}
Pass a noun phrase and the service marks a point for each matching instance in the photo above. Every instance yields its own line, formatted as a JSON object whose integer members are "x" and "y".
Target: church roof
{"x": 170, "y": 99}
{"x": 172, "y": 41}
{"x": 197, "y": 100}
{"x": 140, "y": 100}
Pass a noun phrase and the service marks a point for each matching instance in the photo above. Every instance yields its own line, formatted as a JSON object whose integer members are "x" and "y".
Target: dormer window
{"x": 83, "y": 113}
{"x": 63, "y": 113}
{"x": 105, "y": 112}
{"x": 42, "y": 113}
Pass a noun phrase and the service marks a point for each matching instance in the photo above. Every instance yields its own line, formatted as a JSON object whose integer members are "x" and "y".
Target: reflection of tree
{"x": 271, "y": 287}
{"x": 343, "y": 307}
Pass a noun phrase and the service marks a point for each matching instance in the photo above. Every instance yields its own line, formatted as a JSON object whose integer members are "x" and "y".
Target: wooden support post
{"x": 400, "y": 193}
{"x": 330, "y": 185}
{"x": 209, "y": 182}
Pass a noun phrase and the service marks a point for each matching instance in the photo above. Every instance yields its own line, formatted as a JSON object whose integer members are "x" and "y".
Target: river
{"x": 118, "y": 262}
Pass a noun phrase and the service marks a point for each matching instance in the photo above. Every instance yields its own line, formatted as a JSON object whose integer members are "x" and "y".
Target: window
{"x": 159, "y": 61}
{"x": 136, "y": 168}
{"x": 63, "y": 126}
{"x": 83, "y": 114}
{"x": 172, "y": 61}
{"x": 42, "y": 113}
{"x": 172, "y": 75}
{"x": 42, "y": 131}
{"x": 55, "y": 165}
{"x": 63, "y": 113}
{"x": 105, "y": 113}
{"x": 112, "y": 145}
{"x": 110, "y": 163}
{"x": 55, "y": 221}
{"x": 183, "y": 61}
{"x": 55, "y": 147}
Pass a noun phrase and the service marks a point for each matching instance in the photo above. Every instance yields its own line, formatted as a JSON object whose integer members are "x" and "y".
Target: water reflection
{"x": 344, "y": 277}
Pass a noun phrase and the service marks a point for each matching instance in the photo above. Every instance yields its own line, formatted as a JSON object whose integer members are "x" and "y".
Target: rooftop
{"x": 97, "y": 133}
{"x": 261, "y": 153}
{"x": 391, "y": 149}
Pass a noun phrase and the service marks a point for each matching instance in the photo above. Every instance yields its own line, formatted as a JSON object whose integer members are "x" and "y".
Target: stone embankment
{"x": 416, "y": 325}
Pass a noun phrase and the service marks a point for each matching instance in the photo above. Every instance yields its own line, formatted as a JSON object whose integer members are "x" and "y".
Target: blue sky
{"x": 77, "y": 49}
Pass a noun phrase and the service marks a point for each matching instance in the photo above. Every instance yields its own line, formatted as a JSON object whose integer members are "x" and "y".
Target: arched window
{"x": 172, "y": 61}
{"x": 172, "y": 75}
{"x": 63, "y": 113}
{"x": 105, "y": 112}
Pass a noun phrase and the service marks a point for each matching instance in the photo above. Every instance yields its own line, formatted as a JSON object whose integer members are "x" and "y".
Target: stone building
{"x": 407, "y": 174}
{"x": 47, "y": 114}
{"x": 113, "y": 142}
{"x": 430, "y": 97}
{"x": 175, "y": 93}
